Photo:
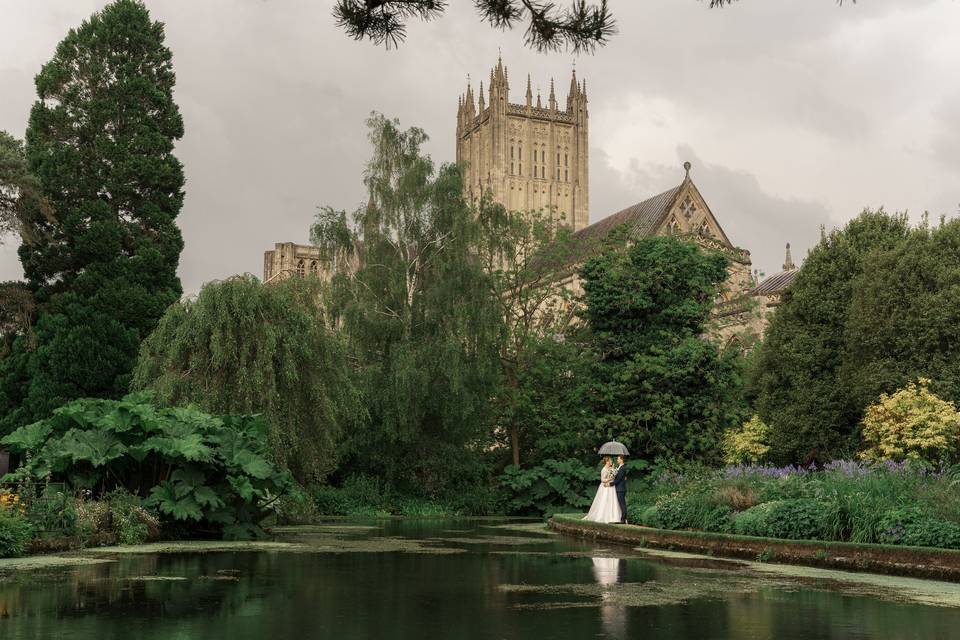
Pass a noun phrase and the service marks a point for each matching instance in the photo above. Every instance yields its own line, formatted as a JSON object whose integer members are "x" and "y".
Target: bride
{"x": 605, "y": 507}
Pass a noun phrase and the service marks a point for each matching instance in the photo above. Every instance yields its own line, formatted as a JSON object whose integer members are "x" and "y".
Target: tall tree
{"x": 100, "y": 142}
{"x": 21, "y": 197}
{"x": 800, "y": 376}
{"x": 245, "y": 347}
{"x": 527, "y": 256}
{"x": 416, "y": 306}
{"x": 661, "y": 386}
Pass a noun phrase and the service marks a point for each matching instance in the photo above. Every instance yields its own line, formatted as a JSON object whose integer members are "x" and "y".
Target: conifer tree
{"x": 103, "y": 268}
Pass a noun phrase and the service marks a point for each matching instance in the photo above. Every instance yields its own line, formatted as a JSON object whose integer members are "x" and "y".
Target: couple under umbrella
{"x": 610, "y": 503}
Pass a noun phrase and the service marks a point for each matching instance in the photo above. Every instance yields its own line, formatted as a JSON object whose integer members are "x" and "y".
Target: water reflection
{"x": 613, "y": 617}
{"x": 378, "y": 591}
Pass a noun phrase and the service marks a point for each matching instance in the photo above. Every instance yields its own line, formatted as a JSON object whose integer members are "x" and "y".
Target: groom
{"x": 620, "y": 484}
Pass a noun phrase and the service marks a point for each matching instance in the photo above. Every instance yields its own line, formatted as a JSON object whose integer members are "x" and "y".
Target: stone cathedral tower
{"x": 527, "y": 156}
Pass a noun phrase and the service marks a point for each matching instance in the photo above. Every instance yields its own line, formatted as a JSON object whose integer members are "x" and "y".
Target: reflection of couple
{"x": 610, "y": 503}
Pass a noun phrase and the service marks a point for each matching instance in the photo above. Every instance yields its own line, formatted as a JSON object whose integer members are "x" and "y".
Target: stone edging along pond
{"x": 918, "y": 562}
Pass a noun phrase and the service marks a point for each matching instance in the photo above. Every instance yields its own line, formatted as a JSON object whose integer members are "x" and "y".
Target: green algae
{"x": 530, "y": 527}
{"x": 199, "y": 546}
{"x": 498, "y": 540}
{"x": 32, "y": 563}
{"x": 635, "y": 594}
{"x": 325, "y": 528}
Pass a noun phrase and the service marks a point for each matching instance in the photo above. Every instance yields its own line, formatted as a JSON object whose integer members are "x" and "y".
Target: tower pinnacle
{"x": 788, "y": 261}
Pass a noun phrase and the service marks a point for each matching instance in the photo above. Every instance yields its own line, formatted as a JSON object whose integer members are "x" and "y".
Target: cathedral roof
{"x": 775, "y": 283}
{"x": 641, "y": 219}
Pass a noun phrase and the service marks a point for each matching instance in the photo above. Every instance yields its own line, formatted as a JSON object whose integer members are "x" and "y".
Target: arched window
{"x": 314, "y": 268}
{"x": 566, "y": 175}
{"x": 300, "y": 268}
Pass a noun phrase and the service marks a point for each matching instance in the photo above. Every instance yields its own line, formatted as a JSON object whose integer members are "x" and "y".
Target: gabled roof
{"x": 641, "y": 219}
{"x": 775, "y": 283}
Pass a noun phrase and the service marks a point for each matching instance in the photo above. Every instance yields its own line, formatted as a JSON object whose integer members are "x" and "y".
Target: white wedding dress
{"x": 605, "y": 507}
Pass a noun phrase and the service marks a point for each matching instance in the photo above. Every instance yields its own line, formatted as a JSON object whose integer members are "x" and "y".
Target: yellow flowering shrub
{"x": 10, "y": 501}
{"x": 911, "y": 424}
{"x": 748, "y": 444}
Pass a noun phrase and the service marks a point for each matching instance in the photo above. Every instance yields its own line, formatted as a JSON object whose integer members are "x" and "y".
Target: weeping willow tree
{"x": 245, "y": 347}
{"x": 419, "y": 314}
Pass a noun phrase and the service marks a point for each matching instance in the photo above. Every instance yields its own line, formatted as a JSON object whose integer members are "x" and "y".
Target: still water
{"x": 452, "y": 579}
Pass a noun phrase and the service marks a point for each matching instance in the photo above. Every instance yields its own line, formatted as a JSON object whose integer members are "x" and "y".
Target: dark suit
{"x": 620, "y": 484}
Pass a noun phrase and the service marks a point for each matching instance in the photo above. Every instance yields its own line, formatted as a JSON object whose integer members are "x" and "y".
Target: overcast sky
{"x": 794, "y": 113}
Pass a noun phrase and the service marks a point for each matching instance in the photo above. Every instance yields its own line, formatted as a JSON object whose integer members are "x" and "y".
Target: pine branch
{"x": 580, "y": 27}
{"x": 723, "y": 3}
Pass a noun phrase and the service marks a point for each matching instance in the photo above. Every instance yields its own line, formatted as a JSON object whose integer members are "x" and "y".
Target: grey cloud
{"x": 753, "y": 218}
{"x": 274, "y": 99}
{"x": 946, "y": 142}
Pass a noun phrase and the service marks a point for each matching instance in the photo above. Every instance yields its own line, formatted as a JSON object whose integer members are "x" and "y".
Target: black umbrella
{"x": 613, "y": 448}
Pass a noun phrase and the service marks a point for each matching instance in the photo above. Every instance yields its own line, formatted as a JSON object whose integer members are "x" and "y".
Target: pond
{"x": 450, "y": 579}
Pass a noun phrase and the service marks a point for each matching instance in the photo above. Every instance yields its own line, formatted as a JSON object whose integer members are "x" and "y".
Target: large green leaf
{"x": 180, "y": 442}
{"x": 207, "y": 497}
{"x": 242, "y": 485}
{"x": 96, "y": 447}
{"x": 164, "y": 497}
{"x": 28, "y": 438}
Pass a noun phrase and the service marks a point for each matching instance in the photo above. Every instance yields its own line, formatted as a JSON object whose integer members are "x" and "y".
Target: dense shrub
{"x": 913, "y": 424}
{"x": 15, "y": 533}
{"x": 549, "y": 488}
{"x": 799, "y": 519}
{"x": 747, "y": 444}
{"x": 911, "y": 526}
{"x": 209, "y": 473}
{"x": 894, "y": 503}
{"x": 692, "y": 508}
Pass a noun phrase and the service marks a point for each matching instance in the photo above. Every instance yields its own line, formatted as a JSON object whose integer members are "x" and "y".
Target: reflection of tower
{"x": 613, "y": 616}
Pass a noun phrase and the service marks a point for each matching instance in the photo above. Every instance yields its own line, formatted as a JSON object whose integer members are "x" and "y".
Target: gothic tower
{"x": 527, "y": 157}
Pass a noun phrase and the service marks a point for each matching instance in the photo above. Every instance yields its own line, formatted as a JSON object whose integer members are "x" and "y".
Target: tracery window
{"x": 314, "y": 268}
{"x": 301, "y": 269}
{"x": 689, "y": 207}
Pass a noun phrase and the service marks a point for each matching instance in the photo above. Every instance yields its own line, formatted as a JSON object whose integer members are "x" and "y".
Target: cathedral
{"x": 526, "y": 156}
{"x": 531, "y": 157}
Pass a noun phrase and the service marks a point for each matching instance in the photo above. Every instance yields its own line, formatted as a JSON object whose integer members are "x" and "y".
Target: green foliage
{"x": 798, "y": 519}
{"x": 365, "y": 495}
{"x": 913, "y": 424}
{"x": 748, "y": 444}
{"x": 21, "y": 197}
{"x": 661, "y": 387}
{"x": 849, "y": 501}
{"x": 207, "y": 471}
{"x": 802, "y": 378}
{"x": 910, "y": 526}
{"x": 423, "y": 327}
{"x": 523, "y": 253}
{"x": 550, "y": 402}
{"x": 15, "y": 533}
{"x": 51, "y": 510}
{"x": 552, "y": 487}
{"x": 690, "y": 508}
{"x": 104, "y": 268}
{"x": 244, "y": 347}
